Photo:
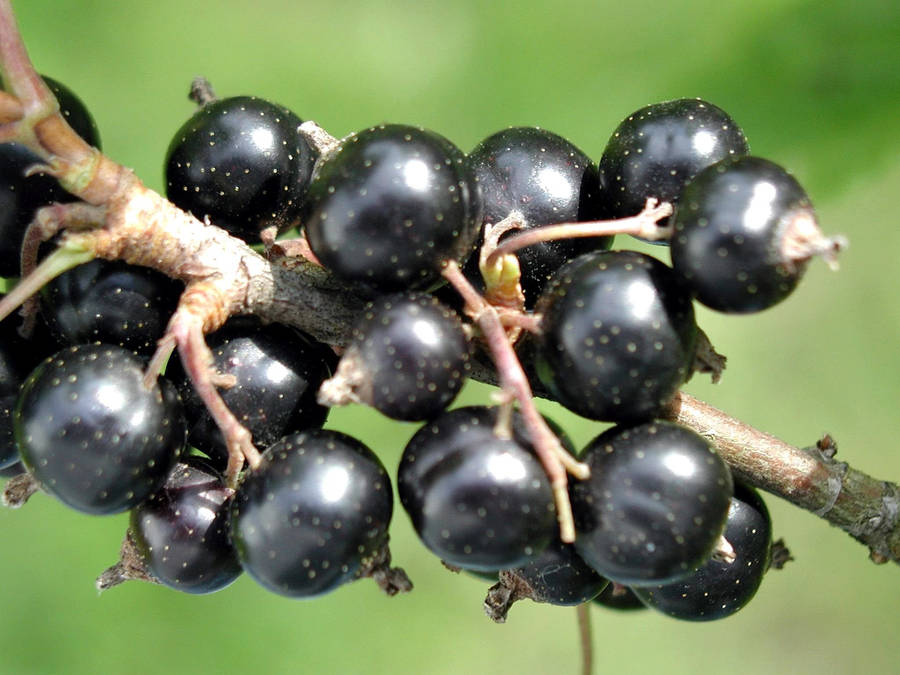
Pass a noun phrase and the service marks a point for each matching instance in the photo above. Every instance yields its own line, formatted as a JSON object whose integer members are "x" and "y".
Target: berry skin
{"x": 110, "y": 302}
{"x": 18, "y": 357}
{"x": 617, "y": 336}
{"x": 656, "y": 150}
{"x": 308, "y": 519}
{"x": 181, "y": 530}
{"x": 719, "y": 589}
{"x": 556, "y": 576}
{"x": 240, "y": 162}
{"x": 408, "y": 358}
{"x": 92, "y": 434}
{"x": 390, "y": 206}
{"x": 733, "y": 234}
{"x": 654, "y": 506}
{"x": 548, "y": 180}
{"x": 21, "y": 196}
{"x": 476, "y": 500}
{"x": 277, "y": 372}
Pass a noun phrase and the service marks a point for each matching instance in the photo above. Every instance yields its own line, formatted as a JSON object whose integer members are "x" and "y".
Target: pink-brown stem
{"x": 514, "y": 381}
{"x": 644, "y": 225}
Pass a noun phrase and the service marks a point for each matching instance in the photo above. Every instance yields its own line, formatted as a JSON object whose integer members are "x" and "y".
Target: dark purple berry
{"x": 110, "y": 302}
{"x": 656, "y": 150}
{"x": 408, "y": 358}
{"x": 390, "y": 206}
{"x": 547, "y": 180}
{"x": 654, "y": 506}
{"x": 21, "y": 196}
{"x": 477, "y": 500}
{"x": 718, "y": 589}
{"x": 617, "y": 336}
{"x": 277, "y": 372}
{"x": 92, "y": 433}
{"x": 240, "y": 162}
{"x": 556, "y": 576}
{"x": 311, "y": 516}
{"x": 181, "y": 530}
{"x": 18, "y": 357}
{"x": 734, "y": 232}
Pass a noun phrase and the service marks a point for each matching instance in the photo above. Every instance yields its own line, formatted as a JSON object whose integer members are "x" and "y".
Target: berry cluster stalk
{"x": 224, "y": 277}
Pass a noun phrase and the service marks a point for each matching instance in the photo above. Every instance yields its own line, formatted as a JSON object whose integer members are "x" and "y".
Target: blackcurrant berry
{"x": 277, "y": 372}
{"x": 656, "y": 150}
{"x": 547, "y": 180}
{"x": 92, "y": 433}
{"x": 654, "y": 506}
{"x": 390, "y": 206}
{"x": 477, "y": 500}
{"x": 18, "y": 357}
{"x": 181, "y": 530}
{"x": 718, "y": 589}
{"x": 240, "y": 162}
{"x": 308, "y": 519}
{"x": 408, "y": 358}
{"x": 556, "y": 576}
{"x": 617, "y": 336}
{"x": 21, "y": 196}
{"x": 735, "y": 231}
{"x": 110, "y": 302}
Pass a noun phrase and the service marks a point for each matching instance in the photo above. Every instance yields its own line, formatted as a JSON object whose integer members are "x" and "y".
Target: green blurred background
{"x": 816, "y": 87}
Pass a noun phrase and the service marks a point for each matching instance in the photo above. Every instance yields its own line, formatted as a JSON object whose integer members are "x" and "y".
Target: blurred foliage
{"x": 816, "y": 87}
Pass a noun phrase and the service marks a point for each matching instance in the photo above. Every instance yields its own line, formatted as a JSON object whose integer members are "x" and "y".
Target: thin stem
{"x": 643, "y": 225}
{"x": 584, "y": 633}
{"x": 513, "y": 380}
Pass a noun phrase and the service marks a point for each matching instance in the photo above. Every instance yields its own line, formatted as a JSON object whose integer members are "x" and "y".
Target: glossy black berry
{"x": 656, "y": 150}
{"x": 734, "y": 229}
{"x": 476, "y": 500}
{"x": 390, "y": 206}
{"x": 408, "y": 358}
{"x": 308, "y": 519}
{"x": 241, "y": 163}
{"x": 617, "y": 336}
{"x": 718, "y": 589}
{"x": 277, "y": 372}
{"x": 18, "y": 357}
{"x": 91, "y": 432}
{"x": 20, "y": 197}
{"x": 547, "y": 180}
{"x": 655, "y": 504}
{"x": 181, "y": 530}
{"x": 111, "y": 302}
{"x": 556, "y": 576}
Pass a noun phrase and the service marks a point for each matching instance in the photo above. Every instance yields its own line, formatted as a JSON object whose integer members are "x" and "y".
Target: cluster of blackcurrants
{"x": 386, "y": 209}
